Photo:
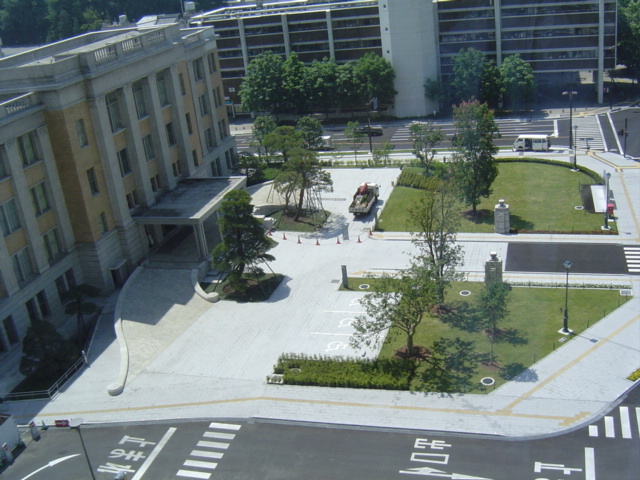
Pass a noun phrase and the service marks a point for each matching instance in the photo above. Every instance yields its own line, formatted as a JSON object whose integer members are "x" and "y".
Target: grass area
{"x": 531, "y": 329}
{"x": 256, "y": 292}
{"x": 540, "y": 197}
{"x": 307, "y": 222}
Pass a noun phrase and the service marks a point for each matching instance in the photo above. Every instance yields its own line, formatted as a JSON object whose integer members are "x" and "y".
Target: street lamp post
{"x": 75, "y": 424}
{"x": 575, "y": 147}
{"x": 571, "y": 93}
{"x": 607, "y": 176}
{"x": 565, "y": 323}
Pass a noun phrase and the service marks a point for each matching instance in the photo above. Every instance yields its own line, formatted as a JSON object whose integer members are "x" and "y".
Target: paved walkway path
{"x": 190, "y": 359}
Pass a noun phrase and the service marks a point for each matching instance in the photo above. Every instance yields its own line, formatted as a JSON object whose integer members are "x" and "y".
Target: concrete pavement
{"x": 190, "y": 359}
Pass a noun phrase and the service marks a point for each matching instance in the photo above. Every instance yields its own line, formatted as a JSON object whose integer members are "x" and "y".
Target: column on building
{"x": 332, "y": 47}
{"x": 497, "y": 15}
{"x": 600, "y": 72}
{"x": 180, "y": 126}
{"x": 285, "y": 34}
{"x": 157, "y": 123}
{"x": 243, "y": 44}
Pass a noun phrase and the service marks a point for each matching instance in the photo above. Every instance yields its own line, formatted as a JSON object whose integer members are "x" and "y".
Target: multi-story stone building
{"x": 103, "y": 139}
{"x": 419, "y": 37}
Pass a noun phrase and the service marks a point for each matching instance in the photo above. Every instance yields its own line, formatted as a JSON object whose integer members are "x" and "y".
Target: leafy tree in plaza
{"x": 311, "y": 130}
{"x": 492, "y": 309}
{"x": 629, "y": 35}
{"x": 474, "y": 166}
{"x": 23, "y": 22}
{"x": 77, "y": 302}
{"x": 262, "y": 127}
{"x": 467, "y": 74}
{"x": 519, "y": 82}
{"x": 307, "y": 174}
{"x": 491, "y": 84}
{"x": 261, "y": 90}
{"x": 437, "y": 218}
{"x": 349, "y": 93}
{"x": 375, "y": 77}
{"x": 452, "y": 364}
{"x": 244, "y": 244}
{"x": 381, "y": 152}
{"x": 284, "y": 139}
{"x": 354, "y": 137}
{"x": 425, "y": 137}
{"x": 46, "y": 354}
{"x": 400, "y": 305}
{"x": 322, "y": 79}
{"x": 294, "y": 83}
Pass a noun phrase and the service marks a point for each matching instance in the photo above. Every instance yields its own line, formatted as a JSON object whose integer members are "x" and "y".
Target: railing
{"x": 111, "y": 53}
{"x": 15, "y": 105}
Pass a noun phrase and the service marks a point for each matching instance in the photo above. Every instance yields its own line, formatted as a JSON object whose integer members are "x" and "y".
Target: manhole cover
{"x": 487, "y": 381}
{"x": 465, "y": 293}
{"x": 364, "y": 286}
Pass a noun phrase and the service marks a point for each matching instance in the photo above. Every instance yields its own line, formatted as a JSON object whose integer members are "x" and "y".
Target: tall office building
{"x": 99, "y": 136}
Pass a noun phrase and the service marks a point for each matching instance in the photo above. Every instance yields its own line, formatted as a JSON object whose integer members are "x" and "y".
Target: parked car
{"x": 371, "y": 131}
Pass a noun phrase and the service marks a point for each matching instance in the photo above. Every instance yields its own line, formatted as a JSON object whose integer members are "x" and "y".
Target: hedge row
{"x": 412, "y": 179}
{"x": 323, "y": 371}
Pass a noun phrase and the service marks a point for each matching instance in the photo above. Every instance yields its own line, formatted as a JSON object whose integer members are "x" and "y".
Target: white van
{"x": 534, "y": 142}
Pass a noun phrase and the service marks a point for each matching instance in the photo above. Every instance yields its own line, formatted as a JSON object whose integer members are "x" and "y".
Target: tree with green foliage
{"x": 519, "y": 82}
{"x": 244, "y": 244}
{"x": 492, "y": 309}
{"x": 381, "y": 152}
{"x": 23, "y": 22}
{"x": 354, "y": 137}
{"x": 475, "y": 168}
{"x": 322, "y": 80}
{"x": 46, "y": 354}
{"x": 311, "y": 130}
{"x": 425, "y": 137}
{"x": 400, "y": 304}
{"x": 261, "y": 128}
{"x": 491, "y": 85}
{"x": 374, "y": 76}
{"x": 348, "y": 93}
{"x": 71, "y": 17}
{"x": 629, "y": 35}
{"x": 467, "y": 74}
{"x": 76, "y": 302}
{"x": 294, "y": 83}
{"x": 261, "y": 90}
{"x": 437, "y": 218}
{"x": 307, "y": 174}
{"x": 284, "y": 139}
{"x": 452, "y": 364}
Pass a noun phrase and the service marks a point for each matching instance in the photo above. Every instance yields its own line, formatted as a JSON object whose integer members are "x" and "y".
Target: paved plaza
{"x": 187, "y": 358}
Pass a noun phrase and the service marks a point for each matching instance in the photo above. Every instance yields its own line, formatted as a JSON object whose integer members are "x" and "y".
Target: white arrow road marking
{"x": 52, "y": 463}
{"x": 432, "y": 472}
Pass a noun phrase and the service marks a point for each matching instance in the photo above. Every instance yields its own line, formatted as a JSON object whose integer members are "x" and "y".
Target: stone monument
{"x": 493, "y": 269}
{"x": 501, "y": 223}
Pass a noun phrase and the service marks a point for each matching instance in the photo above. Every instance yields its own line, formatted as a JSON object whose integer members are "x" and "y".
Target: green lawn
{"x": 531, "y": 330}
{"x": 540, "y": 197}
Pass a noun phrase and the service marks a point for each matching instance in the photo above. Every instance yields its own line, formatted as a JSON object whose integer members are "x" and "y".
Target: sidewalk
{"x": 214, "y": 364}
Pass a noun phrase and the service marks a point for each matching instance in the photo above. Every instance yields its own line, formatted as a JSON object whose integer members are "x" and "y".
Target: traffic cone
{"x": 284, "y": 237}
{"x": 359, "y": 239}
{"x": 338, "y": 241}
{"x": 317, "y": 242}
{"x": 299, "y": 242}
{"x": 370, "y": 232}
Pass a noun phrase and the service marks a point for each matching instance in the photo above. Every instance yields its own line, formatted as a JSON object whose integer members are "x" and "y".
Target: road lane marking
{"x": 220, "y": 435}
{"x": 625, "y": 422}
{"x": 152, "y": 456}
{"x": 205, "y": 454}
{"x": 593, "y": 430}
{"x": 205, "y": 444}
{"x": 200, "y": 464}
{"x": 224, "y": 426}
{"x": 589, "y": 464}
{"x": 609, "y": 427}
{"x": 191, "y": 474}
{"x": 52, "y": 463}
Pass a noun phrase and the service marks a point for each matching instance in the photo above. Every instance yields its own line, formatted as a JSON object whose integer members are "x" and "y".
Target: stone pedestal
{"x": 501, "y": 222}
{"x": 493, "y": 269}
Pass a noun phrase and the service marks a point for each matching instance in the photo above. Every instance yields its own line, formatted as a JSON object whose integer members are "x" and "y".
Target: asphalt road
{"x": 238, "y": 450}
{"x": 632, "y": 141}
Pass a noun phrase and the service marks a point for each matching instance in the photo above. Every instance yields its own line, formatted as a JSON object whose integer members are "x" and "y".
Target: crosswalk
{"x": 620, "y": 427}
{"x": 204, "y": 458}
{"x": 588, "y": 134}
{"x": 632, "y": 256}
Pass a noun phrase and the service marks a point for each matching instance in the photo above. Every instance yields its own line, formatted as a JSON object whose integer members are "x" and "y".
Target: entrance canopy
{"x": 192, "y": 202}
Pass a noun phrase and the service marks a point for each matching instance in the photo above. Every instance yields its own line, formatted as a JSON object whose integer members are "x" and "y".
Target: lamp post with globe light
{"x": 565, "y": 323}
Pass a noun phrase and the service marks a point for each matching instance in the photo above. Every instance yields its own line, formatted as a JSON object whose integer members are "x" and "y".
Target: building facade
{"x": 419, "y": 37}
{"x": 95, "y": 130}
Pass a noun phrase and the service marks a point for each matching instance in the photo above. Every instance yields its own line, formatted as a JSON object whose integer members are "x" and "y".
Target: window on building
{"x": 43, "y": 303}
{"x": 177, "y": 170}
{"x": 198, "y": 69}
{"x": 171, "y": 136}
{"x": 123, "y": 161}
{"x": 211, "y": 60}
{"x": 132, "y": 200}
{"x": 217, "y": 98}
{"x": 93, "y": 181}
{"x": 82, "y": 133}
{"x": 222, "y": 127}
{"x": 40, "y": 200}
{"x": 228, "y": 159}
{"x": 210, "y": 138}
{"x": 155, "y": 183}
{"x": 183, "y": 89}
{"x": 140, "y": 101}
{"x": 4, "y": 169}
{"x": 102, "y": 223}
{"x": 194, "y": 155}
{"x": 51, "y": 244}
{"x": 9, "y": 218}
{"x": 22, "y": 264}
{"x": 218, "y": 167}
{"x": 113, "y": 109}
{"x": 205, "y": 108}
{"x": 187, "y": 117}
{"x": 32, "y": 310}
{"x": 147, "y": 143}
{"x": 11, "y": 330}
{"x": 29, "y": 148}
{"x": 65, "y": 282}
{"x": 163, "y": 88}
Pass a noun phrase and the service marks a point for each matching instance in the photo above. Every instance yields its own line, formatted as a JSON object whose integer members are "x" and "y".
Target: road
{"x": 262, "y": 450}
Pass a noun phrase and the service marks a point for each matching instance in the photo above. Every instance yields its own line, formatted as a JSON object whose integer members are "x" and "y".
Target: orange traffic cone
{"x": 338, "y": 241}
{"x": 359, "y": 239}
{"x": 317, "y": 242}
{"x": 370, "y": 232}
{"x": 299, "y": 239}
{"x": 284, "y": 237}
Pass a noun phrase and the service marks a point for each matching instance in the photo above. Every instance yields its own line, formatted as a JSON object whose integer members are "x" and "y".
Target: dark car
{"x": 371, "y": 131}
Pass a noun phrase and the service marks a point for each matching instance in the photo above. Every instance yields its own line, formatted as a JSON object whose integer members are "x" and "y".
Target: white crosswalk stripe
{"x": 588, "y": 134}
{"x": 207, "y": 450}
{"x": 632, "y": 256}
{"x": 622, "y": 427}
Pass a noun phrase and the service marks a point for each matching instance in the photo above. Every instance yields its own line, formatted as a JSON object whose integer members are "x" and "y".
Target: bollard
{"x": 35, "y": 433}
{"x": 8, "y": 456}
